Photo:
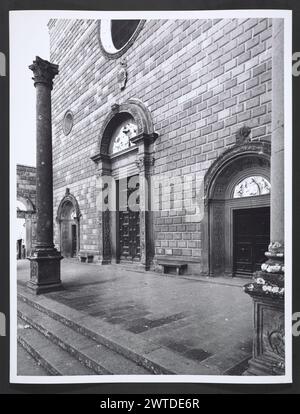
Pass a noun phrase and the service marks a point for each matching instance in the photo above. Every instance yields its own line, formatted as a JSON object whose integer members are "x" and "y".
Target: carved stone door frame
{"x": 69, "y": 199}
{"x": 242, "y": 160}
{"x": 136, "y": 160}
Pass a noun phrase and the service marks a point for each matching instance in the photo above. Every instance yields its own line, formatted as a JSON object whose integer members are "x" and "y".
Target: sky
{"x": 28, "y": 38}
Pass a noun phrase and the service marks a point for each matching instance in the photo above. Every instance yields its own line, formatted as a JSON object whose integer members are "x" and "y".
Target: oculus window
{"x": 116, "y": 36}
{"x": 68, "y": 122}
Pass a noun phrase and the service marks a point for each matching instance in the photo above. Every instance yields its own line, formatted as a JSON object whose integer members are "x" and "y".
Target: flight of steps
{"x": 66, "y": 341}
{"x": 62, "y": 350}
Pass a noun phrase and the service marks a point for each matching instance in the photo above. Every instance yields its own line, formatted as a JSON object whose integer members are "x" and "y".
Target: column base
{"x": 39, "y": 289}
{"x": 105, "y": 261}
{"x": 144, "y": 266}
{"x": 261, "y": 367}
{"x": 45, "y": 271}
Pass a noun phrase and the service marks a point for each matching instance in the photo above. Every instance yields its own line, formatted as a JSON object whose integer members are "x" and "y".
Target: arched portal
{"x": 124, "y": 162}
{"x": 26, "y": 223}
{"x": 237, "y": 198}
{"x": 68, "y": 217}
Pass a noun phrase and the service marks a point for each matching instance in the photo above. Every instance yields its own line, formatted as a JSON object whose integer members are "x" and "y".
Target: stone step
{"x": 91, "y": 354}
{"x": 50, "y": 357}
{"x": 155, "y": 358}
{"x": 27, "y": 365}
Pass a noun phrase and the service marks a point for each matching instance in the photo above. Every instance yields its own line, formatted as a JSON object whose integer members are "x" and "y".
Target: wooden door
{"x": 251, "y": 239}
{"x": 74, "y": 240}
{"x": 66, "y": 246}
{"x": 128, "y": 224}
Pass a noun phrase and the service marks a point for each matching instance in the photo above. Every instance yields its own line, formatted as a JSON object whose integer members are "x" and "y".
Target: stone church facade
{"x": 176, "y": 113}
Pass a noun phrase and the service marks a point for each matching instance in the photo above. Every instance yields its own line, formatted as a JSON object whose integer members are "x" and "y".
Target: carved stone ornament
{"x": 272, "y": 266}
{"x": 275, "y": 262}
{"x": 122, "y": 74}
{"x": 276, "y": 248}
{"x": 243, "y": 134}
{"x": 106, "y": 234}
{"x": 115, "y": 107}
{"x": 123, "y": 140}
{"x": 144, "y": 162}
{"x": 276, "y": 339}
{"x": 43, "y": 71}
{"x": 252, "y": 186}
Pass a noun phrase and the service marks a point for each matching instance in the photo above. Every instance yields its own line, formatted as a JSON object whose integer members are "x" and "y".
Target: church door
{"x": 251, "y": 238}
{"x": 129, "y": 221}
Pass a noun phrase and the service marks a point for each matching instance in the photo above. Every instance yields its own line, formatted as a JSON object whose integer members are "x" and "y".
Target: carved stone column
{"x": 104, "y": 194}
{"x": 145, "y": 164}
{"x": 45, "y": 259}
{"x": 267, "y": 290}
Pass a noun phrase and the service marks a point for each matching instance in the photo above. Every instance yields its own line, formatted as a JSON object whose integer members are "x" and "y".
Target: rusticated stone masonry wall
{"x": 202, "y": 80}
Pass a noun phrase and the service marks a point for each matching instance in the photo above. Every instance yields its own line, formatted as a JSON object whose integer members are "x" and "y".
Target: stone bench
{"x": 179, "y": 266}
{"x": 89, "y": 257}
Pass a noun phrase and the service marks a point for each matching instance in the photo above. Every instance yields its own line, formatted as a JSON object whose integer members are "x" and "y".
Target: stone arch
{"x": 261, "y": 149}
{"x": 235, "y": 164}
{"x": 68, "y": 219}
{"x": 133, "y": 107}
{"x": 28, "y": 214}
{"x": 28, "y": 204}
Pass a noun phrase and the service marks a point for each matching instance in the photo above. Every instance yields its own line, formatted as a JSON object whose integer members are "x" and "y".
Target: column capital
{"x": 43, "y": 71}
{"x": 144, "y": 162}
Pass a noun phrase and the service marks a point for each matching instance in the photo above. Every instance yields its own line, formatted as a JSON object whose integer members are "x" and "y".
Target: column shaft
{"x": 277, "y": 161}
{"x": 45, "y": 259}
{"x": 44, "y": 181}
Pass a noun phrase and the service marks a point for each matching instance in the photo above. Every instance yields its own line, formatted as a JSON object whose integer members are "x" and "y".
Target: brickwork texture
{"x": 202, "y": 80}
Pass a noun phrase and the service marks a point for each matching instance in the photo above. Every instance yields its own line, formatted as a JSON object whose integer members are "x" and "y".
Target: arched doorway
{"x": 68, "y": 217}
{"x": 237, "y": 190}
{"x": 21, "y": 230}
{"x": 25, "y": 227}
{"x": 124, "y": 167}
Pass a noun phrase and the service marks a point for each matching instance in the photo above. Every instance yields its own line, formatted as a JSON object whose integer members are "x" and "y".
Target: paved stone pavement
{"x": 197, "y": 318}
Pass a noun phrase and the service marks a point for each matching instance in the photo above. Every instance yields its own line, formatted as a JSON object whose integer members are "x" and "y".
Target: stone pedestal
{"x": 45, "y": 259}
{"x": 45, "y": 271}
{"x": 267, "y": 289}
{"x": 267, "y": 292}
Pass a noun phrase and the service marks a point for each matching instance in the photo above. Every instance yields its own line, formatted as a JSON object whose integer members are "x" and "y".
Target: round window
{"x": 68, "y": 122}
{"x": 116, "y": 36}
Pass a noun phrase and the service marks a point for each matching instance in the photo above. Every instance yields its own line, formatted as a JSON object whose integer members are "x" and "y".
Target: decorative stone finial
{"x": 43, "y": 71}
